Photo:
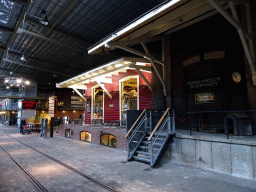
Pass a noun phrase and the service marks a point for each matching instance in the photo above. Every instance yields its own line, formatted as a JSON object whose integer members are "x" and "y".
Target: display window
{"x": 108, "y": 140}
{"x": 97, "y": 103}
{"x": 85, "y": 136}
{"x": 129, "y": 95}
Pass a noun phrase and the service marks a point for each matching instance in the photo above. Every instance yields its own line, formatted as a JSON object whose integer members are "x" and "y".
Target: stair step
{"x": 140, "y": 158}
{"x": 149, "y": 148}
{"x": 143, "y": 152}
{"x": 149, "y": 142}
{"x": 159, "y": 139}
{"x": 146, "y": 142}
{"x": 160, "y": 134}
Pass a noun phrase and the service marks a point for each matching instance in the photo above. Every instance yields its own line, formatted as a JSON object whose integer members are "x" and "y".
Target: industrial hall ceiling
{"x": 47, "y": 40}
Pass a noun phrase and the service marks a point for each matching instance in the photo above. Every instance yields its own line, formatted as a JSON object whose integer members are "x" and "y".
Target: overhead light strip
{"x": 136, "y": 23}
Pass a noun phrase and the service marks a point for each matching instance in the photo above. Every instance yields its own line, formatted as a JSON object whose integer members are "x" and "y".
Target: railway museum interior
{"x": 163, "y": 80}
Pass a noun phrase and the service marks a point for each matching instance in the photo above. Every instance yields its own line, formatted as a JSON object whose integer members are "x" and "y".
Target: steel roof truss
{"x": 20, "y": 30}
{"x": 39, "y": 68}
{"x": 22, "y": 2}
{"x": 24, "y": 10}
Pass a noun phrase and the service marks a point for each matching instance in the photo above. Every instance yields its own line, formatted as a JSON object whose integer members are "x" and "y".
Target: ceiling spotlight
{"x": 19, "y": 81}
{"x": 11, "y": 73}
{"x": 23, "y": 58}
{"x": 44, "y": 20}
{"x": 7, "y": 87}
{"x": 27, "y": 82}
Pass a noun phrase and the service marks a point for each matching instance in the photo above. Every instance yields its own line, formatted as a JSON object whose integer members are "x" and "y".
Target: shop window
{"x": 97, "y": 105}
{"x": 68, "y": 133}
{"x": 108, "y": 140}
{"x": 85, "y": 136}
{"x": 129, "y": 96}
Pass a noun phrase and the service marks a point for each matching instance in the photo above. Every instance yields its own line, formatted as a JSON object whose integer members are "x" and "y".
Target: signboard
{"x": 203, "y": 83}
{"x": 204, "y": 98}
{"x": 51, "y": 106}
{"x": 77, "y": 102}
{"x": 28, "y": 105}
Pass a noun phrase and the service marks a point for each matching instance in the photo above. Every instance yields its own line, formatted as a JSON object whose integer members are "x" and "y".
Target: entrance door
{"x": 129, "y": 96}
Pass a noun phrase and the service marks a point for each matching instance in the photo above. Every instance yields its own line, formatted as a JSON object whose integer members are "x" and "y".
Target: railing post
{"x": 146, "y": 121}
{"x": 151, "y": 143}
{"x": 169, "y": 123}
{"x": 173, "y": 121}
{"x": 150, "y": 120}
{"x": 128, "y": 148}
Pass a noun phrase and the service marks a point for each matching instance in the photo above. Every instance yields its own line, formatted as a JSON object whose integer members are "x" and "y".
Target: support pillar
{"x": 167, "y": 76}
{"x": 248, "y": 17}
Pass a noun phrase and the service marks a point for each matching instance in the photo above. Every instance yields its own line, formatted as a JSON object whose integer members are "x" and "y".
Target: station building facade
{"x": 202, "y": 71}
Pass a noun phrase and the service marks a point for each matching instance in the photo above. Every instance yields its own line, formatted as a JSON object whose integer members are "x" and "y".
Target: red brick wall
{"x": 95, "y": 134}
{"x": 88, "y": 114}
{"x": 112, "y": 113}
{"x": 145, "y": 98}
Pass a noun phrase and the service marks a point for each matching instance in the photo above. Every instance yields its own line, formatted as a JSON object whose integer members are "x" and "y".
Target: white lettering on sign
{"x": 204, "y": 83}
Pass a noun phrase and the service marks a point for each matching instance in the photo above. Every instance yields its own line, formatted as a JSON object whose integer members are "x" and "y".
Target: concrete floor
{"x": 103, "y": 163}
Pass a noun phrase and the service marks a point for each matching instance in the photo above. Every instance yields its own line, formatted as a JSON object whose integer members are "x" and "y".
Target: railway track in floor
{"x": 39, "y": 186}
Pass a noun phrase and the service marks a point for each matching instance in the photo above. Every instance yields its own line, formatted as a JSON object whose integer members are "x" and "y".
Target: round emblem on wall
{"x": 236, "y": 77}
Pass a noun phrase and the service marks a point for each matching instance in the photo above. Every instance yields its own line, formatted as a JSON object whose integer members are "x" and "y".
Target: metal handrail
{"x": 158, "y": 124}
{"x": 136, "y": 129}
{"x": 160, "y": 130}
{"x": 135, "y": 123}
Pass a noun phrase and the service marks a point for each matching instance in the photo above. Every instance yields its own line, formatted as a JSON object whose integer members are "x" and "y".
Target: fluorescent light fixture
{"x": 136, "y": 23}
{"x": 119, "y": 65}
{"x": 44, "y": 20}
{"x": 140, "y": 63}
{"x": 23, "y": 58}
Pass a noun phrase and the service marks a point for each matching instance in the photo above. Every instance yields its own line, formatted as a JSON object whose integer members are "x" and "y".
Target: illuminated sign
{"x": 52, "y": 105}
{"x": 204, "y": 83}
{"x": 28, "y": 105}
{"x": 204, "y": 98}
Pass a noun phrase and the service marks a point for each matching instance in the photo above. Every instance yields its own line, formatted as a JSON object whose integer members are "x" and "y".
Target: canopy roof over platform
{"x": 102, "y": 73}
{"x": 170, "y": 17}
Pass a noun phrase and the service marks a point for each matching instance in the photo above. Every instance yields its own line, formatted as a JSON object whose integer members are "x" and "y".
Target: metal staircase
{"x": 150, "y": 136}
